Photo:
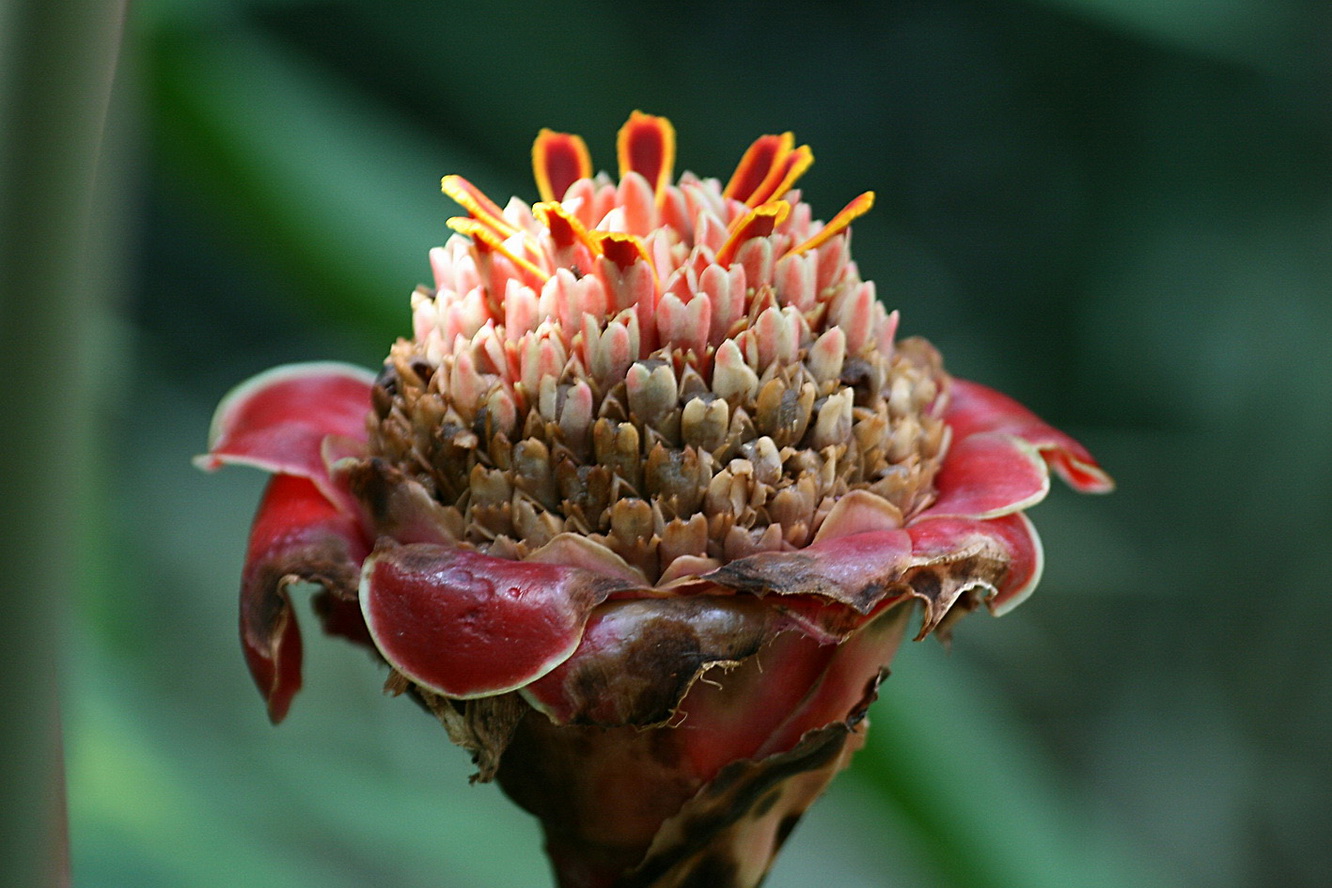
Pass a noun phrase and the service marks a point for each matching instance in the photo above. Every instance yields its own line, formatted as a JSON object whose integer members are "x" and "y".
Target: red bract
{"x": 641, "y": 511}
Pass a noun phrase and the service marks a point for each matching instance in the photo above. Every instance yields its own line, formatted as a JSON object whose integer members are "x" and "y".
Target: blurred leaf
{"x": 57, "y": 67}
{"x": 972, "y": 783}
{"x": 320, "y": 181}
{"x": 138, "y": 818}
{"x": 1264, "y": 34}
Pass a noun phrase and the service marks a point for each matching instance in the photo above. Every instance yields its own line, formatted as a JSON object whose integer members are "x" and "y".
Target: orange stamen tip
{"x": 859, "y": 206}
{"x": 484, "y": 235}
{"x": 558, "y": 161}
{"x": 487, "y": 238}
{"x": 758, "y": 222}
{"x": 474, "y": 201}
{"x": 646, "y": 145}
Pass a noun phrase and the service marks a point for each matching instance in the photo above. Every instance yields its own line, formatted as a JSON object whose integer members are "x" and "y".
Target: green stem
{"x": 56, "y": 68}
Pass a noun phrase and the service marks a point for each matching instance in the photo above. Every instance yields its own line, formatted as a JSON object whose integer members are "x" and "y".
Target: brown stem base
{"x": 629, "y": 820}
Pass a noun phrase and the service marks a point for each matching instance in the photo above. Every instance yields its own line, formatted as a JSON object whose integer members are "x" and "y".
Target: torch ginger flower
{"x": 642, "y": 509}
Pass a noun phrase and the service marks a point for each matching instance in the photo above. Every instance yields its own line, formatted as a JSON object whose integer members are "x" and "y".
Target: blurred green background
{"x": 1119, "y": 211}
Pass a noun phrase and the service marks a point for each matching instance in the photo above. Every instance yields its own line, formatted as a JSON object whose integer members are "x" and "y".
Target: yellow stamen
{"x": 474, "y": 200}
{"x": 856, "y": 208}
{"x": 486, "y": 236}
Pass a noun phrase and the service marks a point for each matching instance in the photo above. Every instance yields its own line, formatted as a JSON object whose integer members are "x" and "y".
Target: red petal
{"x": 646, "y": 145}
{"x": 937, "y": 540}
{"x": 464, "y": 624}
{"x": 298, "y": 534}
{"x": 565, "y": 229}
{"x": 757, "y": 165}
{"x": 987, "y": 475}
{"x": 792, "y": 168}
{"x": 793, "y": 686}
{"x": 768, "y": 169}
{"x": 974, "y": 409}
{"x": 278, "y": 420}
{"x": 622, "y": 249}
{"x": 559, "y": 160}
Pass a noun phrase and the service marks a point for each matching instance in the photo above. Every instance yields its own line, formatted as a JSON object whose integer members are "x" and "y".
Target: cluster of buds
{"x": 642, "y": 510}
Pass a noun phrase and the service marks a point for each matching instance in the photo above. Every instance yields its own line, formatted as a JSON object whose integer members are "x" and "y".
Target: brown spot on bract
{"x": 796, "y": 573}
{"x": 640, "y": 657}
{"x": 927, "y": 584}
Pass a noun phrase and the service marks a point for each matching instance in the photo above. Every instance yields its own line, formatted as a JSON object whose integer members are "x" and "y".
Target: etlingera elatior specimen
{"x": 642, "y": 509}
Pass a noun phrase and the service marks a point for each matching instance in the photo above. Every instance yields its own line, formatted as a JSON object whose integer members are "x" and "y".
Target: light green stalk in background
{"x": 57, "y": 61}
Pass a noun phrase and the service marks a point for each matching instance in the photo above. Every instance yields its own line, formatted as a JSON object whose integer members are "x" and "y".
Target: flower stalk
{"x": 51, "y": 119}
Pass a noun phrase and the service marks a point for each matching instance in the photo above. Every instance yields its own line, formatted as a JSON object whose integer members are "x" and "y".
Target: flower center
{"x": 679, "y": 374}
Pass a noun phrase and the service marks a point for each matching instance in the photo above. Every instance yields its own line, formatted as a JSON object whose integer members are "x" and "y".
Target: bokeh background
{"x": 1119, "y": 211}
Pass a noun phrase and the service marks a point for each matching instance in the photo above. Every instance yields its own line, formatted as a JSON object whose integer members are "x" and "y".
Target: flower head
{"x": 653, "y": 459}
